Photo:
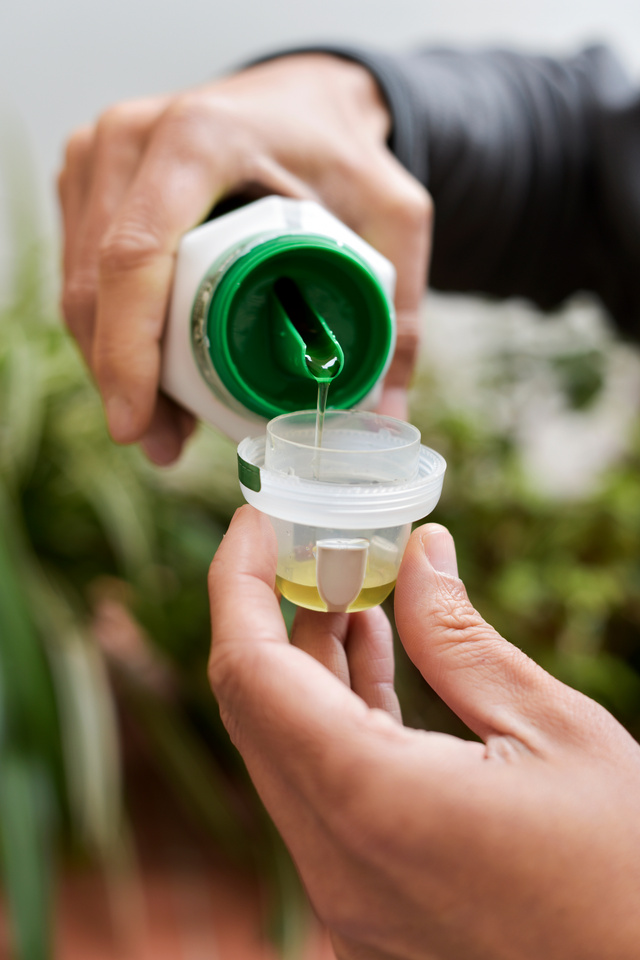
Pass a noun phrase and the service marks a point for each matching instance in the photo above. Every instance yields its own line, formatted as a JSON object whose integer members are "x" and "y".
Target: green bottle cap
{"x": 293, "y": 310}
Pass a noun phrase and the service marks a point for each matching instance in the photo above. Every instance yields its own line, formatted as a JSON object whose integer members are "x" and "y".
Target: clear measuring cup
{"x": 357, "y": 447}
{"x": 342, "y": 513}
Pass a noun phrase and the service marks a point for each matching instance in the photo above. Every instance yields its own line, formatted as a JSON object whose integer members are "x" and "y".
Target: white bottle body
{"x": 181, "y": 377}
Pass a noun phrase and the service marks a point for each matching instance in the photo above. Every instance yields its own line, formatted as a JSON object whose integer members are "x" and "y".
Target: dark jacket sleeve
{"x": 533, "y": 164}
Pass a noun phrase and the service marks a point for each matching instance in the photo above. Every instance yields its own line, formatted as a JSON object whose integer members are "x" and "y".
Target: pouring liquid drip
{"x": 323, "y": 370}
{"x": 323, "y": 356}
{"x": 321, "y": 409}
{"x": 324, "y": 360}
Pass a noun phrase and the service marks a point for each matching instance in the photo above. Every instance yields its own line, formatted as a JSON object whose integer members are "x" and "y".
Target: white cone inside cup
{"x": 341, "y": 565}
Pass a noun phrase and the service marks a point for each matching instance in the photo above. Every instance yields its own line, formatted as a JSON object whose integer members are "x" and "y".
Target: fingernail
{"x": 120, "y": 419}
{"x": 440, "y": 550}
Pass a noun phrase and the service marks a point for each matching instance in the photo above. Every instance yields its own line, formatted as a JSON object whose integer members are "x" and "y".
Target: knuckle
{"x": 112, "y": 121}
{"x": 223, "y": 676}
{"x": 222, "y": 671}
{"x": 407, "y": 343}
{"x": 78, "y": 147}
{"x": 251, "y": 165}
{"x": 405, "y": 354}
{"x": 184, "y": 131}
{"x": 463, "y": 620}
{"x": 456, "y": 622}
{"x": 350, "y": 165}
{"x": 476, "y": 644}
{"x": 412, "y": 207}
{"x": 128, "y": 246}
{"x": 125, "y": 121}
{"x": 78, "y": 300}
{"x": 191, "y": 117}
{"x": 105, "y": 364}
{"x": 234, "y": 673}
{"x": 197, "y": 123}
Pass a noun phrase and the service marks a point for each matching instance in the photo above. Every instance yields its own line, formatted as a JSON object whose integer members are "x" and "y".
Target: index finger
{"x": 289, "y": 716}
{"x": 180, "y": 178}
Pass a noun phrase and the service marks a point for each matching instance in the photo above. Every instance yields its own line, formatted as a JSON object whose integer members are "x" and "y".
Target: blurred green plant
{"x": 562, "y": 581}
{"x": 77, "y": 511}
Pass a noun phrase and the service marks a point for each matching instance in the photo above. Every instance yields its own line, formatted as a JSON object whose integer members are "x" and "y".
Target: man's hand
{"x": 309, "y": 126}
{"x": 416, "y": 845}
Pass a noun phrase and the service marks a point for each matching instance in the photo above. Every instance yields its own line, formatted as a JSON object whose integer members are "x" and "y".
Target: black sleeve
{"x": 533, "y": 164}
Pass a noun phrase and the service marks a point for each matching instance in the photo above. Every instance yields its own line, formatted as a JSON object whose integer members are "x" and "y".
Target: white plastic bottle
{"x": 258, "y": 290}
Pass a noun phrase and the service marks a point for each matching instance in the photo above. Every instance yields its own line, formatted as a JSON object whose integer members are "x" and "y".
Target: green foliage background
{"x": 559, "y": 579}
{"x": 562, "y": 581}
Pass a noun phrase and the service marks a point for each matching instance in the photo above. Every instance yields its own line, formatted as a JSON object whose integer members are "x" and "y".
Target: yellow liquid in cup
{"x": 299, "y": 582}
{"x": 299, "y": 586}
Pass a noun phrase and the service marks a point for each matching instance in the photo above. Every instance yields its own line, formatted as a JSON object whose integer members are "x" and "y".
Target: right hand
{"x": 415, "y": 844}
{"x": 308, "y": 126}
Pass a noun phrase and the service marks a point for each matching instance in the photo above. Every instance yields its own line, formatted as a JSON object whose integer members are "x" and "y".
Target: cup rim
{"x": 361, "y": 414}
{"x": 345, "y": 506}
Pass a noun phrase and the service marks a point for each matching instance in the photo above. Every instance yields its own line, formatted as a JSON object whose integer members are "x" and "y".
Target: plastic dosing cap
{"x": 357, "y": 447}
{"x": 373, "y": 474}
{"x": 293, "y": 310}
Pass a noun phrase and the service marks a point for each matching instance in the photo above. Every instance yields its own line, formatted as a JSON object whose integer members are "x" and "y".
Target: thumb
{"x": 490, "y": 684}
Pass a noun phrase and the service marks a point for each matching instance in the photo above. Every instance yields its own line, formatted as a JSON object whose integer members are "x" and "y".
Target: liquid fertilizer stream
{"x": 323, "y": 355}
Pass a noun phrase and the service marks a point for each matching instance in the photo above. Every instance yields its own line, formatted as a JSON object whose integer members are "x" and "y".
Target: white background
{"x": 63, "y": 61}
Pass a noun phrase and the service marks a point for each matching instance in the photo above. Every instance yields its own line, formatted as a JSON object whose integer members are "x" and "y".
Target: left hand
{"x": 308, "y": 126}
{"x": 415, "y": 845}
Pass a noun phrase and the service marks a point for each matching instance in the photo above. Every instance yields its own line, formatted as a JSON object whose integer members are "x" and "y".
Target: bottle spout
{"x": 341, "y": 565}
{"x": 304, "y": 344}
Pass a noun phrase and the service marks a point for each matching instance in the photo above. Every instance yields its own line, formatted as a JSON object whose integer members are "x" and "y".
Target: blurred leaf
{"x": 190, "y": 771}
{"x": 89, "y": 731}
{"x": 290, "y": 915}
{"x": 22, "y": 406}
{"x": 25, "y": 846}
{"x": 604, "y": 678}
{"x": 30, "y": 720}
{"x": 581, "y": 377}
